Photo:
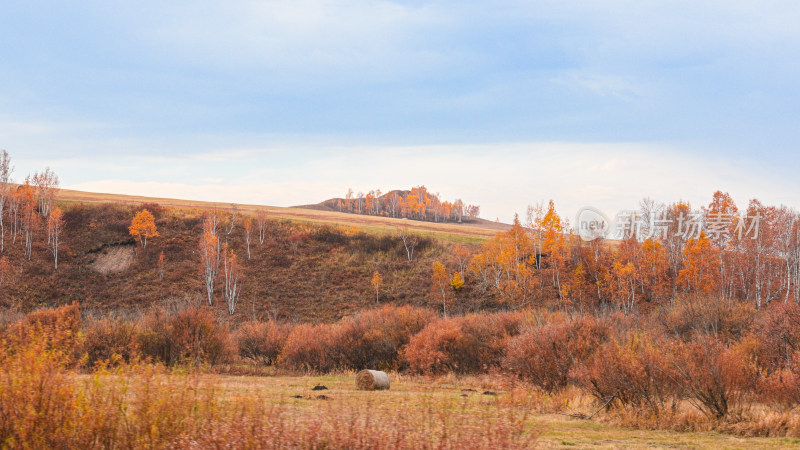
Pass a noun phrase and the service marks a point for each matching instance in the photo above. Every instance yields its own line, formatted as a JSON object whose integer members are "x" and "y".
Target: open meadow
{"x": 474, "y": 411}
{"x": 149, "y": 407}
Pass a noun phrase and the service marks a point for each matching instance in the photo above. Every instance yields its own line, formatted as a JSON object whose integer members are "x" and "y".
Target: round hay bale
{"x": 371, "y": 380}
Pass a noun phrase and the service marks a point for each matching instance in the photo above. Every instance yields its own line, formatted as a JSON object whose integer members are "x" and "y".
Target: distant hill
{"x": 415, "y": 204}
{"x": 475, "y": 230}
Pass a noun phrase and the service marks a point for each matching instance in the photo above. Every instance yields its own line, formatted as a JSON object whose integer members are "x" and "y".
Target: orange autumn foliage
{"x": 143, "y": 227}
{"x": 701, "y": 266}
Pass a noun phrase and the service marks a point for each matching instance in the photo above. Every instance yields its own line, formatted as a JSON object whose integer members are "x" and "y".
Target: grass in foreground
{"x": 44, "y": 405}
{"x": 461, "y": 405}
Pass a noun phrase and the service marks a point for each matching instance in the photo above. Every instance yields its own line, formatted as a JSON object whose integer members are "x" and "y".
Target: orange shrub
{"x": 9, "y": 317}
{"x": 309, "y": 348}
{"x": 261, "y": 341}
{"x": 43, "y": 405}
{"x": 468, "y": 344}
{"x": 545, "y": 355}
{"x": 36, "y": 396}
{"x": 60, "y": 329}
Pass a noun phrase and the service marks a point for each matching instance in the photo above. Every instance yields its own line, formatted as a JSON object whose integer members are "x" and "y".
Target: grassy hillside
{"x": 474, "y": 231}
{"x": 326, "y": 277}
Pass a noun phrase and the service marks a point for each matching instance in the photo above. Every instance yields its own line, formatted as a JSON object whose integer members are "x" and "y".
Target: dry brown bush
{"x": 188, "y": 334}
{"x": 262, "y": 342}
{"x": 110, "y": 339}
{"x": 544, "y": 355}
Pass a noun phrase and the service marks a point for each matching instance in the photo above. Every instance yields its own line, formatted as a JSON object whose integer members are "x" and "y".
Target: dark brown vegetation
{"x": 321, "y": 276}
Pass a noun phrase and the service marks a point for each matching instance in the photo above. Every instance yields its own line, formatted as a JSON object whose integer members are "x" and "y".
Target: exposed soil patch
{"x": 114, "y": 259}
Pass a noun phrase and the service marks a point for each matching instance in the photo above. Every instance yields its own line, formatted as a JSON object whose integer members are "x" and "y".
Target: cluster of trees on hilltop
{"x": 418, "y": 204}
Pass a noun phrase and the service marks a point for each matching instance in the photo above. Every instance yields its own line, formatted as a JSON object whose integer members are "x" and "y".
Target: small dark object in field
{"x": 464, "y": 395}
{"x": 468, "y": 390}
{"x": 489, "y": 393}
{"x": 297, "y": 396}
{"x": 323, "y": 397}
{"x": 319, "y": 388}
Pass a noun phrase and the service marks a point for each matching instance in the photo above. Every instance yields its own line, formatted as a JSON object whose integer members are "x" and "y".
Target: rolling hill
{"x": 313, "y": 266}
{"x": 474, "y": 230}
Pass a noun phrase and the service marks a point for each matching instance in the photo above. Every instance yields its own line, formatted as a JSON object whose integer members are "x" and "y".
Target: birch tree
{"x": 55, "y": 223}
{"x": 440, "y": 284}
{"x": 30, "y": 220}
{"x": 410, "y": 242}
{"x": 5, "y": 172}
{"x": 231, "y": 272}
{"x": 248, "y": 234}
{"x": 46, "y": 184}
{"x": 210, "y": 254}
{"x": 208, "y": 258}
{"x": 261, "y": 220}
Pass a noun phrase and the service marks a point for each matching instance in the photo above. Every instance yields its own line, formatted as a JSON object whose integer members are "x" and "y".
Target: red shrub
{"x": 432, "y": 349}
{"x": 262, "y": 341}
{"x": 545, "y": 355}
{"x": 631, "y": 371}
{"x": 782, "y": 387}
{"x": 714, "y": 376}
{"x": 726, "y": 319}
{"x": 309, "y": 348}
{"x": 468, "y": 344}
{"x": 778, "y": 331}
{"x": 373, "y": 339}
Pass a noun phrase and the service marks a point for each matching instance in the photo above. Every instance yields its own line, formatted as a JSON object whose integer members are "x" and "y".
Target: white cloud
{"x": 502, "y": 178}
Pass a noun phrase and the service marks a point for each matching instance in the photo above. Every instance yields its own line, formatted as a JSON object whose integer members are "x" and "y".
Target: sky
{"x": 503, "y": 103}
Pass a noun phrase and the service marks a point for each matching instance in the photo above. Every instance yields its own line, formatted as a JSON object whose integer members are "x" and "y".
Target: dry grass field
{"x": 447, "y": 412}
{"x": 462, "y": 400}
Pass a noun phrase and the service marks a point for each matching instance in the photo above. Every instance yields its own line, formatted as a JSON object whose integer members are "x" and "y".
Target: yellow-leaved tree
{"x": 440, "y": 284}
{"x": 377, "y": 281}
{"x": 457, "y": 282}
{"x": 506, "y": 263}
{"x": 143, "y": 227}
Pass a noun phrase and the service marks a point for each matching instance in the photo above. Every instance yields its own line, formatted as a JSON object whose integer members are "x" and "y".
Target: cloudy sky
{"x": 502, "y": 103}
